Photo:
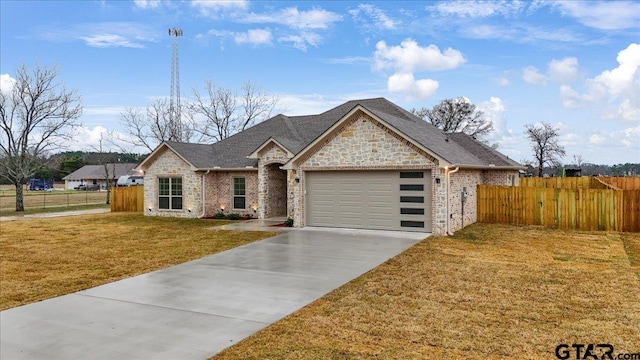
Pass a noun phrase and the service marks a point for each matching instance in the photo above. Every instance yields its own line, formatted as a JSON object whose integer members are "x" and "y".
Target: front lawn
{"x": 43, "y": 258}
{"x": 491, "y": 291}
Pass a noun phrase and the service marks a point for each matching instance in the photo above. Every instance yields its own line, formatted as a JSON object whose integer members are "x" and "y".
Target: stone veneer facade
{"x": 168, "y": 164}
{"x": 272, "y": 182}
{"x": 360, "y": 143}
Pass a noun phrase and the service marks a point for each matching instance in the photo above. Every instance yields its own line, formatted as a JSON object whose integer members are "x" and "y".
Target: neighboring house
{"x": 96, "y": 175}
{"x": 365, "y": 164}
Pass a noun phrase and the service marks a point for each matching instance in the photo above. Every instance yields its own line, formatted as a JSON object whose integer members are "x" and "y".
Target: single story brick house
{"x": 366, "y": 164}
{"x": 96, "y": 175}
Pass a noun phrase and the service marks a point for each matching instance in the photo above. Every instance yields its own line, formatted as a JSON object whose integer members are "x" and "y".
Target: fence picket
{"x": 130, "y": 198}
{"x": 574, "y": 208}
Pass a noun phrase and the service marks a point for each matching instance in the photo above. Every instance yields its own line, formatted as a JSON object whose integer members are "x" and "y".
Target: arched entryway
{"x": 276, "y": 204}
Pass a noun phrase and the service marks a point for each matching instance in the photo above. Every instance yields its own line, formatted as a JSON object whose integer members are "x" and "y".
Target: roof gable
{"x": 183, "y": 150}
{"x": 255, "y": 153}
{"x": 357, "y": 109}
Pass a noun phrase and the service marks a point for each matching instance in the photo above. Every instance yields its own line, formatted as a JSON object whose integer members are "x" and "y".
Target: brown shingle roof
{"x": 296, "y": 132}
{"x": 97, "y": 172}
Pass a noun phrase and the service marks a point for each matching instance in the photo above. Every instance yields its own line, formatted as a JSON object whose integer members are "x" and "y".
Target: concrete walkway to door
{"x": 196, "y": 309}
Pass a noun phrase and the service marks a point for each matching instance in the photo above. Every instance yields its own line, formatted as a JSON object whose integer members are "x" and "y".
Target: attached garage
{"x": 382, "y": 200}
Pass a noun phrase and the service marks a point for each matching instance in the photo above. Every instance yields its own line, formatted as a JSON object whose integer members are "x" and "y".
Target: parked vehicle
{"x": 87, "y": 187}
{"x": 40, "y": 184}
{"x": 130, "y": 180}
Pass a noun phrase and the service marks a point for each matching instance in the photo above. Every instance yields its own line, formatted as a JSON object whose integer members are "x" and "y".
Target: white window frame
{"x": 171, "y": 195}
{"x": 233, "y": 192}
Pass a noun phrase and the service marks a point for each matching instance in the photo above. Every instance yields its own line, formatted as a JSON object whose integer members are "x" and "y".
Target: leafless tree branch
{"x": 36, "y": 116}
{"x": 545, "y": 146}
{"x": 457, "y": 115}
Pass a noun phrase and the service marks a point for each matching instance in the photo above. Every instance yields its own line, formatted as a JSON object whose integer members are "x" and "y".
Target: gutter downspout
{"x": 202, "y": 196}
{"x": 447, "y": 174}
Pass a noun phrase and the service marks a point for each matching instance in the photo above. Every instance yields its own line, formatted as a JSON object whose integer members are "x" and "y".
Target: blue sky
{"x": 573, "y": 64}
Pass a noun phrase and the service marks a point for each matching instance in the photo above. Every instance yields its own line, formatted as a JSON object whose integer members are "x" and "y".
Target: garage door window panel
{"x": 411, "y": 174}
{"x": 412, "y": 199}
{"x": 412, "y": 211}
{"x": 414, "y": 224}
{"x": 411, "y": 187}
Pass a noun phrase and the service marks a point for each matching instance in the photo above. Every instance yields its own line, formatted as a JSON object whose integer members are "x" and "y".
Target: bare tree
{"x": 150, "y": 129}
{"x": 256, "y": 104}
{"x": 109, "y": 168}
{"x": 578, "y": 160}
{"x": 544, "y": 143}
{"x": 224, "y": 113}
{"x": 456, "y": 115}
{"x": 37, "y": 115}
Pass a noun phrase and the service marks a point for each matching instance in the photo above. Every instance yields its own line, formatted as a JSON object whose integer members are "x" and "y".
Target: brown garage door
{"x": 386, "y": 200}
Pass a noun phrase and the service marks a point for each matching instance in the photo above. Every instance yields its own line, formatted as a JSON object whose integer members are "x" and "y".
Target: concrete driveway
{"x": 195, "y": 310}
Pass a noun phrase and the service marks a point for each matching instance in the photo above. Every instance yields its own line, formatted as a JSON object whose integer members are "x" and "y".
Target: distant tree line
{"x": 57, "y": 166}
{"x": 589, "y": 169}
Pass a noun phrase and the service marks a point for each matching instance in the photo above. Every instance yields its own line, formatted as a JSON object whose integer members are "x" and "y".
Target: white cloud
{"x": 570, "y": 139}
{"x": 305, "y": 104}
{"x": 376, "y": 17}
{"x": 409, "y": 57}
{"x": 519, "y": 33}
{"x": 106, "y": 34}
{"x": 254, "y": 36}
{"x": 214, "y": 8}
{"x": 301, "y": 26}
{"x": 147, "y": 4}
{"x": 617, "y": 91}
{"x": 406, "y": 84}
{"x": 605, "y": 15}
{"x": 503, "y": 81}
{"x": 110, "y": 40}
{"x": 315, "y": 18}
{"x": 531, "y": 75}
{"x": 349, "y": 60}
{"x": 301, "y": 40}
{"x": 478, "y": 9}
{"x": 628, "y": 138}
{"x": 91, "y": 137}
{"x": 563, "y": 70}
{"x": 6, "y": 83}
{"x": 295, "y": 104}
{"x": 494, "y": 110}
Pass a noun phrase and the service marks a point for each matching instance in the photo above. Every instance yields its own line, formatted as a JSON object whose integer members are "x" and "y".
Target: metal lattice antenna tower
{"x": 174, "y": 101}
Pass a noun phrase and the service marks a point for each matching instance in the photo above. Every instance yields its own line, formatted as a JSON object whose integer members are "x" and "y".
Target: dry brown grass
{"x": 631, "y": 243}
{"x": 43, "y": 258}
{"x": 490, "y": 292}
{"x": 51, "y": 199}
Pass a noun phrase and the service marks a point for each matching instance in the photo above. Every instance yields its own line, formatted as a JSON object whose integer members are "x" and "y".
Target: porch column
{"x": 263, "y": 189}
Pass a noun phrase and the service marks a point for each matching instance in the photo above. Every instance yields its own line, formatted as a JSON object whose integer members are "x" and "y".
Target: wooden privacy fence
{"x": 130, "y": 198}
{"x": 583, "y": 182}
{"x": 584, "y": 209}
{"x": 623, "y": 183}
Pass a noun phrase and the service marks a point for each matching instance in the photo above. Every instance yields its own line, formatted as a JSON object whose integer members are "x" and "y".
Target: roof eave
{"x": 487, "y": 167}
{"x": 254, "y": 154}
{"x": 247, "y": 168}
